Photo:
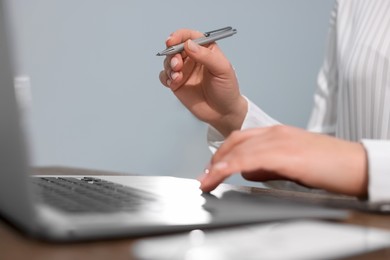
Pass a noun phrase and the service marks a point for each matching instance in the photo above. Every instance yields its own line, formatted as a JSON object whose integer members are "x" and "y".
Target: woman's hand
{"x": 283, "y": 152}
{"x": 205, "y": 82}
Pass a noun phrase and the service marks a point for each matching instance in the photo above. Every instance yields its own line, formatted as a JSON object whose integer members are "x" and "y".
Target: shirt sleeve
{"x": 324, "y": 113}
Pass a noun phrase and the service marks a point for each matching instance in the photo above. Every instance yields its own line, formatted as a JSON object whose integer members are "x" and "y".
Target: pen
{"x": 209, "y": 37}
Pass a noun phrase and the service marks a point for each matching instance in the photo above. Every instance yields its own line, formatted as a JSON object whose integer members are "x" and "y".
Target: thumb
{"x": 212, "y": 58}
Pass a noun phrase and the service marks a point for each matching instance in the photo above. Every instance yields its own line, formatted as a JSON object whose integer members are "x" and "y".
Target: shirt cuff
{"x": 378, "y": 155}
{"x": 255, "y": 117}
{"x": 214, "y": 139}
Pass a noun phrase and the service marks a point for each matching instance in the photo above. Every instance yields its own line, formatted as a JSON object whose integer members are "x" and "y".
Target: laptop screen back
{"x": 14, "y": 194}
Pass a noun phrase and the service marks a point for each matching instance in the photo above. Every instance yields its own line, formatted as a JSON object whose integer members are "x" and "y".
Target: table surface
{"x": 15, "y": 245}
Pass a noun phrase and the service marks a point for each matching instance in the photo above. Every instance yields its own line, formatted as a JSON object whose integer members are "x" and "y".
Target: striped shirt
{"x": 352, "y": 100}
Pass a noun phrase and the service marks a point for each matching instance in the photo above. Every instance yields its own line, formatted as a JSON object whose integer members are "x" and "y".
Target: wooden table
{"x": 14, "y": 245}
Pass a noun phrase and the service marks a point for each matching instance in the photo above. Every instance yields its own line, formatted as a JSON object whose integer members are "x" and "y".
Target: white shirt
{"x": 352, "y": 100}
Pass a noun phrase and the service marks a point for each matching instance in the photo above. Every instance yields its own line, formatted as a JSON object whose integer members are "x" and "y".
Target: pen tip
{"x": 158, "y": 54}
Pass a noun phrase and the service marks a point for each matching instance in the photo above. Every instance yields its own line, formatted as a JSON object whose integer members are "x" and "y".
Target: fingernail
{"x": 206, "y": 171}
{"x": 174, "y": 75}
{"x": 169, "y": 37}
{"x": 174, "y": 62}
{"x": 207, "y": 168}
{"x": 169, "y": 82}
{"x": 193, "y": 46}
{"x": 220, "y": 166}
{"x": 204, "y": 175}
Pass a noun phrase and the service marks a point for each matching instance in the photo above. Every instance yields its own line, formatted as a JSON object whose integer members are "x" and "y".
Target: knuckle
{"x": 227, "y": 66}
{"x": 280, "y": 129}
{"x": 235, "y": 167}
{"x": 166, "y": 63}
{"x": 226, "y": 171}
{"x": 168, "y": 73}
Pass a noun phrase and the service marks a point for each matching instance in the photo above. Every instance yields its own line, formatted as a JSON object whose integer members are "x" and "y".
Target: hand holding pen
{"x": 204, "y": 80}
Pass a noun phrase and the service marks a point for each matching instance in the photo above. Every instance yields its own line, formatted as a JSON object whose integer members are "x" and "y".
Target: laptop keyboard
{"x": 88, "y": 195}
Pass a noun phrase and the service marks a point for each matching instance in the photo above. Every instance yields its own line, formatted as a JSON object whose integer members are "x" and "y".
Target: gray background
{"x": 97, "y": 100}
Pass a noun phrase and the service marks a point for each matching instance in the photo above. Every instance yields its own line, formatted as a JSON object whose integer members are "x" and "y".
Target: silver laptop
{"x": 66, "y": 208}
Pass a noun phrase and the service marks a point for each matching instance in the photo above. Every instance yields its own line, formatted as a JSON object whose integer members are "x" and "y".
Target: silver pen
{"x": 209, "y": 37}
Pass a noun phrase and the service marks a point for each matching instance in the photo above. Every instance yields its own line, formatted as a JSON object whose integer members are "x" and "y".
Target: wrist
{"x": 232, "y": 121}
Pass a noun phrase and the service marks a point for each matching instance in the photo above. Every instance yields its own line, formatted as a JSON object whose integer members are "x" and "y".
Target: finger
{"x": 251, "y": 156}
{"x": 211, "y": 57}
{"x": 166, "y": 63}
{"x": 169, "y": 81}
{"x": 219, "y": 171}
{"x": 172, "y": 66}
{"x": 235, "y": 139}
{"x": 214, "y": 177}
{"x": 164, "y": 79}
{"x": 175, "y": 79}
{"x": 184, "y": 74}
{"x": 174, "y": 62}
{"x": 173, "y": 75}
{"x": 181, "y": 36}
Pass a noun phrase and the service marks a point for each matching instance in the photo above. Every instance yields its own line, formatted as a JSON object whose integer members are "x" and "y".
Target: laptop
{"x": 70, "y": 208}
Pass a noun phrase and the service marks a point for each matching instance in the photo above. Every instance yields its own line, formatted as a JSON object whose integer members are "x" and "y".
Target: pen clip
{"x": 224, "y": 29}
